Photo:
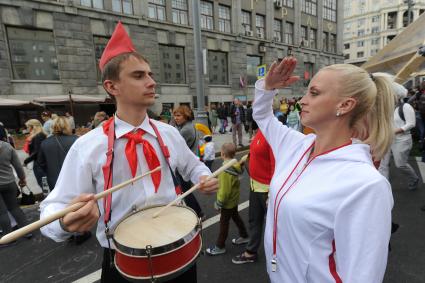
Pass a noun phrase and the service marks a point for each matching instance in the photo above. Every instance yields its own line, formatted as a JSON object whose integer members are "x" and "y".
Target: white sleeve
{"x": 409, "y": 116}
{"x": 74, "y": 179}
{"x": 273, "y": 130}
{"x": 188, "y": 164}
{"x": 362, "y": 232}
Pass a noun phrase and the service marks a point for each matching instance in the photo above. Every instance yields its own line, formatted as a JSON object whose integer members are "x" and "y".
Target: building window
{"x": 375, "y": 19}
{"x": 304, "y": 41}
{"x": 325, "y": 45}
{"x": 346, "y": 56}
{"x": 406, "y": 18}
{"x": 207, "y": 21}
{"x": 122, "y": 6}
{"x": 98, "y": 4}
{"x": 373, "y": 52}
{"x": 277, "y": 30}
{"x": 360, "y": 54}
{"x": 172, "y": 65}
{"x": 251, "y": 68}
{"x": 360, "y": 43}
{"x": 246, "y": 23}
{"x": 360, "y": 32}
{"x": 375, "y": 41}
{"x": 259, "y": 24}
{"x": 157, "y": 9}
{"x": 392, "y": 20}
{"x": 179, "y": 12}
{"x": 33, "y": 54}
{"x": 289, "y": 33}
{"x": 347, "y": 46}
{"x": 375, "y": 30}
{"x": 224, "y": 18}
{"x": 309, "y": 7}
{"x": 332, "y": 43}
{"x": 99, "y": 46}
{"x": 329, "y": 10}
{"x": 313, "y": 38}
{"x": 288, "y": 3}
{"x": 361, "y": 22}
{"x": 390, "y": 37}
{"x": 218, "y": 68}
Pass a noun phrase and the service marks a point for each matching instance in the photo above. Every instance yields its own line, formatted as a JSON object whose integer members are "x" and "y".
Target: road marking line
{"x": 95, "y": 276}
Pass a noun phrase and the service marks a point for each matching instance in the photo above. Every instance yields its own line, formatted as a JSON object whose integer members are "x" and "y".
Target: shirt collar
{"x": 122, "y": 127}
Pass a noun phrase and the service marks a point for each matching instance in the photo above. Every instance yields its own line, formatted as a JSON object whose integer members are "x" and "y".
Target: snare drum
{"x": 160, "y": 248}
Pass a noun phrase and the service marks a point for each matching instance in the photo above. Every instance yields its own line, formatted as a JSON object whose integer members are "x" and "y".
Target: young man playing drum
{"x": 127, "y": 145}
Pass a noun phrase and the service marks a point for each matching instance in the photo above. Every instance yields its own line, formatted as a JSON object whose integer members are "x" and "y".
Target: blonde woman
{"x": 329, "y": 212}
{"x": 36, "y": 136}
{"x": 54, "y": 149}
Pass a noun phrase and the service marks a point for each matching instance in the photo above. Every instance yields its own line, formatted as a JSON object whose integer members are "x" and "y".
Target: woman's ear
{"x": 347, "y": 105}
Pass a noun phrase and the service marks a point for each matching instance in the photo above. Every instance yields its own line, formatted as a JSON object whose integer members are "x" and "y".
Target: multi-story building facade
{"x": 52, "y": 47}
{"x": 370, "y": 24}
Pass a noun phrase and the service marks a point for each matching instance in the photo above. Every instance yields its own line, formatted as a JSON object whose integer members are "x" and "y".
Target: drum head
{"x": 141, "y": 229}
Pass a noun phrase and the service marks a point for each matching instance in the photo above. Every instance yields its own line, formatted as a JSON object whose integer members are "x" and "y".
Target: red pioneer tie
{"x": 134, "y": 138}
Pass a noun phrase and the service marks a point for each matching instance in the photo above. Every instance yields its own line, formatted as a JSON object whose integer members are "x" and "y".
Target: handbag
{"x": 27, "y": 198}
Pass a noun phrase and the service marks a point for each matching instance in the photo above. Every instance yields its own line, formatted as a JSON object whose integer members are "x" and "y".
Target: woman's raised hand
{"x": 280, "y": 74}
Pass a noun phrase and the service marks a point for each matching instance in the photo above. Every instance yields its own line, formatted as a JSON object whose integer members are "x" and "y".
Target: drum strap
{"x": 107, "y": 168}
{"x": 166, "y": 152}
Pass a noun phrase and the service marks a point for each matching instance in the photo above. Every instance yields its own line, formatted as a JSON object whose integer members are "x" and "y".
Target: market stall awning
{"x": 399, "y": 57}
{"x": 13, "y": 102}
{"x": 70, "y": 98}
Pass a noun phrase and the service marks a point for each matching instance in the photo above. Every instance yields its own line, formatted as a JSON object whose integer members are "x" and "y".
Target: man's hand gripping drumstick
{"x": 80, "y": 215}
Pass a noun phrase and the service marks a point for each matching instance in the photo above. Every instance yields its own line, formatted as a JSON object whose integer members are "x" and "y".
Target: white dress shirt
{"x": 82, "y": 173}
{"x": 340, "y": 198}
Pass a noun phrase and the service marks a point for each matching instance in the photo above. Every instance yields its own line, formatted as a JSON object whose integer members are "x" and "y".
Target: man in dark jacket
{"x": 222, "y": 115}
{"x": 237, "y": 113}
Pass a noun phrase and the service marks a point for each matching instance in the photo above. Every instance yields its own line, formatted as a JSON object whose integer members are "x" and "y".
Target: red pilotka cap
{"x": 119, "y": 43}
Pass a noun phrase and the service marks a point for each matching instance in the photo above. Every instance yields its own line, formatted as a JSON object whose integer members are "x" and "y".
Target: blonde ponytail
{"x": 380, "y": 118}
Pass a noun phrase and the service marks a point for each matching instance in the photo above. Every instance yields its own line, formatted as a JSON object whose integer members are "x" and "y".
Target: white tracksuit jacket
{"x": 340, "y": 198}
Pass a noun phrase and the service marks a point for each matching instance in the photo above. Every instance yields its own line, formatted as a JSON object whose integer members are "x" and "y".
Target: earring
{"x": 338, "y": 114}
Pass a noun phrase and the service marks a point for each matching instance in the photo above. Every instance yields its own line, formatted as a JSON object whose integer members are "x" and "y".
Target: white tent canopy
{"x": 13, "y": 102}
{"x": 68, "y": 98}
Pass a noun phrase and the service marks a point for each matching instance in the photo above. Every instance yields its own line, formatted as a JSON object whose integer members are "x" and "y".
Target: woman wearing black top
{"x": 36, "y": 136}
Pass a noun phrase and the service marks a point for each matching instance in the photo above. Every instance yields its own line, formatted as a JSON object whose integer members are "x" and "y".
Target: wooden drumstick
{"x": 195, "y": 187}
{"x": 12, "y": 236}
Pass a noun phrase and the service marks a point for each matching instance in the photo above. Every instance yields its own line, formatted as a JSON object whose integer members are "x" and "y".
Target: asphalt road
{"x": 42, "y": 260}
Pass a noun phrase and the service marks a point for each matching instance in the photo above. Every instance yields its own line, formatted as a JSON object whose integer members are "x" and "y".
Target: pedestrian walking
{"x": 34, "y": 140}
{"x": 8, "y": 189}
{"x": 55, "y": 148}
{"x": 135, "y": 141}
{"x": 261, "y": 167}
{"x": 404, "y": 121}
{"x": 237, "y": 113}
{"x": 227, "y": 202}
{"x": 209, "y": 151}
{"x": 183, "y": 117}
{"x": 46, "y": 116}
{"x": 329, "y": 213}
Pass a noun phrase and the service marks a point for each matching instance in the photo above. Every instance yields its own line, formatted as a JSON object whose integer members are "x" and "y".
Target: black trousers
{"x": 112, "y": 275}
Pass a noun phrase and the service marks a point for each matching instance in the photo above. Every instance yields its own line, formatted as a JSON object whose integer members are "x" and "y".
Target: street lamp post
{"x": 201, "y": 114}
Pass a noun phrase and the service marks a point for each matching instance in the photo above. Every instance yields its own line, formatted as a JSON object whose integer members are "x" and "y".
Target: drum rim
{"x": 157, "y": 251}
{"x": 166, "y": 276}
